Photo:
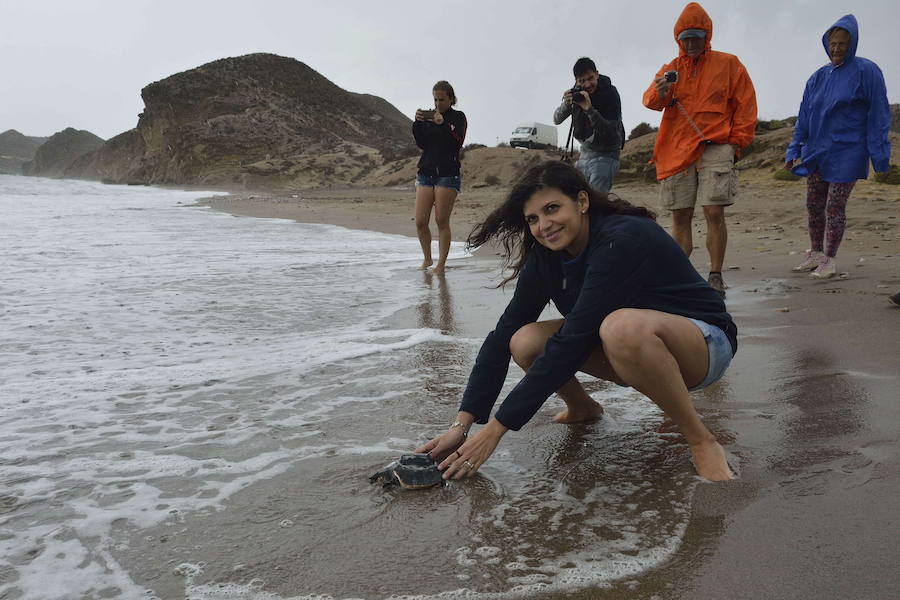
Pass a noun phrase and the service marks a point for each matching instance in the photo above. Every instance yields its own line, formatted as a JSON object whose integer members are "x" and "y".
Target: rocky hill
{"x": 16, "y": 149}
{"x": 256, "y": 121}
{"x": 60, "y": 151}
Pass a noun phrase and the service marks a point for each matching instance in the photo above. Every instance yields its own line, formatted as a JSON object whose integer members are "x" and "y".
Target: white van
{"x": 534, "y": 135}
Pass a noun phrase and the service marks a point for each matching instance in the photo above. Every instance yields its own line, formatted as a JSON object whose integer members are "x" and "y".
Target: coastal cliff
{"x": 55, "y": 155}
{"x": 16, "y": 149}
{"x": 256, "y": 121}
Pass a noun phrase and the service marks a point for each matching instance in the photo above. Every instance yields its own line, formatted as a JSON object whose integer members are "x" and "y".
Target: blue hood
{"x": 844, "y": 119}
{"x": 849, "y": 23}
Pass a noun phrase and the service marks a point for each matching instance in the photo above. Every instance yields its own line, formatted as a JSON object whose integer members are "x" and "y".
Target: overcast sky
{"x": 82, "y": 63}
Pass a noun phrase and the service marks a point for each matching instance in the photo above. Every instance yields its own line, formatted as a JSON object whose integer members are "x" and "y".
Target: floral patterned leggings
{"x": 826, "y": 205}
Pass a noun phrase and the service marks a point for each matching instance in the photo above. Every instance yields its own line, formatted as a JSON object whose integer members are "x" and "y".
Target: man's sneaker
{"x": 717, "y": 283}
{"x": 810, "y": 262}
{"x": 895, "y": 299}
{"x": 825, "y": 270}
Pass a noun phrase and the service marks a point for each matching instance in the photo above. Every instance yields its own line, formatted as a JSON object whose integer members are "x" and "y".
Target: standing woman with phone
{"x": 440, "y": 134}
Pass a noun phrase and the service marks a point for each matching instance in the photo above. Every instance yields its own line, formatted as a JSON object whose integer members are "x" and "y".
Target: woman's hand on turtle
{"x": 469, "y": 457}
{"x": 441, "y": 446}
{"x": 789, "y": 165}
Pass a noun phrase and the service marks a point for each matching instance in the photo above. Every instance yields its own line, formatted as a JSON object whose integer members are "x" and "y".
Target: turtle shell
{"x": 411, "y": 472}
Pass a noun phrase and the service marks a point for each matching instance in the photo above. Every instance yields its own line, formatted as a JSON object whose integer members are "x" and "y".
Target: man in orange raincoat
{"x": 709, "y": 114}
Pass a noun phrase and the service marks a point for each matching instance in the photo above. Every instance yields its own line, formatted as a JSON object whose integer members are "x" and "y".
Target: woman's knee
{"x": 624, "y": 330}
{"x": 526, "y": 344}
{"x": 442, "y": 222}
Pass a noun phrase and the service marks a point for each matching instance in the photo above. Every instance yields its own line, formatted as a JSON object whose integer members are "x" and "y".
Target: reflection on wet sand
{"x": 439, "y": 364}
{"x": 440, "y": 316}
{"x": 829, "y": 405}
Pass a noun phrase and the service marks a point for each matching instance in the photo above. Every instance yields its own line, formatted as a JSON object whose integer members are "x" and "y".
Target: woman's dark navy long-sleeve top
{"x": 629, "y": 262}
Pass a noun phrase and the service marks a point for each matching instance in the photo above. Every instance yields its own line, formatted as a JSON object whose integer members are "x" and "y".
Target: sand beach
{"x": 194, "y": 399}
{"x": 807, "y": 411}
{"x": 215, "y": 329}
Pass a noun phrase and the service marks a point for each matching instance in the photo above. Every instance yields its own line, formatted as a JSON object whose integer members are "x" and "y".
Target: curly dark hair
{"x": 507, "y": 222}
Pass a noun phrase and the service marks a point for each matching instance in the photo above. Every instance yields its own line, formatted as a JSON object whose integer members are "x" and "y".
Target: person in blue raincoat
{"x": 843, "y": 123}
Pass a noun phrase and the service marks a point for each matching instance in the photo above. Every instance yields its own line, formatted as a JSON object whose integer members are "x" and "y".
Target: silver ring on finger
{"x": 468, "y": 464}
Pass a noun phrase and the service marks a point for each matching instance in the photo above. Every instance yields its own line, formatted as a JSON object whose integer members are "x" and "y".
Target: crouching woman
{"x": 636, "y": 312}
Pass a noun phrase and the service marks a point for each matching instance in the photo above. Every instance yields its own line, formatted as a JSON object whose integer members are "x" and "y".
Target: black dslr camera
{"x": 576, "y": 92}
{"x": 671, "y": 76}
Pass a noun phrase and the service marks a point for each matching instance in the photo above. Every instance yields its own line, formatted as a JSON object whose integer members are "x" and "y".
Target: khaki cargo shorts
{"x": 712, "y": 180}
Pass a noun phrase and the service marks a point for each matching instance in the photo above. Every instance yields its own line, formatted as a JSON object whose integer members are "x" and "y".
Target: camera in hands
{"x": 576, "y": 93}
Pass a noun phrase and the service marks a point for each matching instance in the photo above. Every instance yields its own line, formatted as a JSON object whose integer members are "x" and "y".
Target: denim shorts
{"x": 452, "y": 182}
{"x": 719, "y": 353}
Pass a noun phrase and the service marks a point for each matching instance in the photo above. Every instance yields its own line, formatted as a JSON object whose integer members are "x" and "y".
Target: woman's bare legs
{"x": 661, "y": 355}
{"x": 443, "y": 207}
{"x": 656, "y": 353}
{"x": 424, "y": 202}
{"x": 528, "y": 344}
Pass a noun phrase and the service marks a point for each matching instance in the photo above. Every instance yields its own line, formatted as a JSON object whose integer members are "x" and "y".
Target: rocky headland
{"x": 259, "y": 120}
{"x": 55, "y": 155}
{"x": 16, "y": 149}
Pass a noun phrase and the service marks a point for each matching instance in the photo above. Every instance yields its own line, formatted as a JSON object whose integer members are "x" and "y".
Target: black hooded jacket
{"x": 599, "y": 129}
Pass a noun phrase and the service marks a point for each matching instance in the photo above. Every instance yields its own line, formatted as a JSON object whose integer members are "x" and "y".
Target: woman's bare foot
{"x": 590, "y": 412}
{"x": 709, "y": 460}
{"x": 438, "y": 269}
{"x": 426, "y": 263}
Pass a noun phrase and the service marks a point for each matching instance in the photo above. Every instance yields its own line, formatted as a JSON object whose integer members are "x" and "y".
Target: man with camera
{"x": 709, "y": 115}
{"x": 596, "y": 122}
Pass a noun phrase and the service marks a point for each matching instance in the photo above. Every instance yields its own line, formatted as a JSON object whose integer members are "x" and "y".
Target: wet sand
{"x": 807, "y": 413}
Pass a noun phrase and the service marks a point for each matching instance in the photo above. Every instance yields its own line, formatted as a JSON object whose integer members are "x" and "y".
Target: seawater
{"x": 190, "y": 404}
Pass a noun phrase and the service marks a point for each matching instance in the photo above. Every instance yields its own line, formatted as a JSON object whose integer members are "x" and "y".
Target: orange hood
{"x": 693, "y": 17}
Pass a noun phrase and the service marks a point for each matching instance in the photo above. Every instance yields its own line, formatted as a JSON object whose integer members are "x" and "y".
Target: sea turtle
{"x": 411, "y": 472}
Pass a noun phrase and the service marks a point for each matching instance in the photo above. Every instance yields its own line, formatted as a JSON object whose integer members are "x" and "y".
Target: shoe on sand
{"x": 895, "y": 299}
{"x": 810, "y": 262}
{"x": 717, "y": 283}
{"x": 826, "y": 268}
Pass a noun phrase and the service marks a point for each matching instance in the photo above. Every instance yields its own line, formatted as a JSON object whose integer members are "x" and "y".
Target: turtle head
{"x": 386, "y": 475}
